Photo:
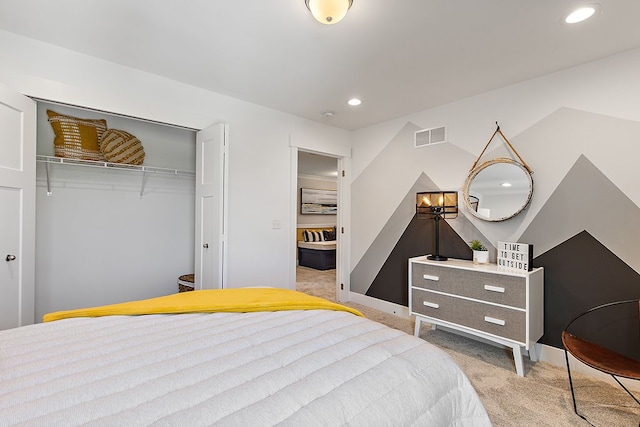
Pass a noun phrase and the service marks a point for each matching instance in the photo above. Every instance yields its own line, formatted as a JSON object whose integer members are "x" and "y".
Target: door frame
{"x": 343, "y": 220}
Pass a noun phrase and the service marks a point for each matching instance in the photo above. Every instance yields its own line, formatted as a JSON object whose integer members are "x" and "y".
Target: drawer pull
{"x": 494, "y": 320}
{"x": 430, "y": 277}
{"x": 493, "y": 288}
{"x": 431, "y": 304}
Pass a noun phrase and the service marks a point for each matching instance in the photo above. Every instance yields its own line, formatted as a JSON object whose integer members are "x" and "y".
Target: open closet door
{"x": 211, "y": 217}
{"x": 17, "y": 208}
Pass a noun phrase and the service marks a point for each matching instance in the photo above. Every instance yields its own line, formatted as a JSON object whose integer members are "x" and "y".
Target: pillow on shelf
{"x": 76, "y": 138}
{"x": 118, "y": 146}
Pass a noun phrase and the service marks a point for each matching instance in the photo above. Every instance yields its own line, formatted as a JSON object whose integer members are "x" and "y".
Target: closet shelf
{"x": 47, "y": 160}
{"x": 118, "y": 166}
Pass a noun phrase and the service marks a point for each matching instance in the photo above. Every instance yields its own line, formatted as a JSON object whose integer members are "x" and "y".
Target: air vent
{"x": 430, "y": 136}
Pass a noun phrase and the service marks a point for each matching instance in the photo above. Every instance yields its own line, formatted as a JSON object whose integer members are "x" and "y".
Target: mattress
{"x": 289, "y": 368}
{"x": 320, "y": 246}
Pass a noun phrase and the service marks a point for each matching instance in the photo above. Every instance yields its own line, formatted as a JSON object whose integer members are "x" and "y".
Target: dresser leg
{"x": 416, "y": 331}
{"x": 534, "y": 351}
{"x": 517, "y": 357}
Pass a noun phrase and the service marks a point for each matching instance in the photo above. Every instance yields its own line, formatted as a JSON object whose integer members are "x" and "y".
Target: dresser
{"x": 502, "y": 306}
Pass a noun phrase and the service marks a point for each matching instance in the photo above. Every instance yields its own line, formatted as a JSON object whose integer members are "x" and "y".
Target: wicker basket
{"x": 185, "y": 283}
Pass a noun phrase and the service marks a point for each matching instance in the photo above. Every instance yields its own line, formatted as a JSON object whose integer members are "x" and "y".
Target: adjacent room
{"x": 320, "y": 212}
{"x": 317, "y": 215}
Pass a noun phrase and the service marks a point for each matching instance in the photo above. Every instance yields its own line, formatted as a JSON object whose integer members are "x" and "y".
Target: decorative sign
{"x": 515, "y": 256}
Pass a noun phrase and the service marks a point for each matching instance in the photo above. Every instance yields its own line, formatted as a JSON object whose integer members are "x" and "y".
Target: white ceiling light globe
{"x": 328, "y": 11}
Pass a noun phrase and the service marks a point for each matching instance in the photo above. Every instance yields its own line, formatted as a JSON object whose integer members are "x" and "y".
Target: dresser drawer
{"x": 497, "y": 288}
{"x": 500, "y": 321}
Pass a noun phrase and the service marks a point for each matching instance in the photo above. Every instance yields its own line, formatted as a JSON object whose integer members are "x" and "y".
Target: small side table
{"x": 606, "y": 338}
{"x": 185, "y": 282}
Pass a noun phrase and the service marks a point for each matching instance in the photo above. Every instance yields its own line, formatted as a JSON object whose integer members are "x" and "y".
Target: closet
{"x": 108, "y": 233}
{"x": 78, "y": 233}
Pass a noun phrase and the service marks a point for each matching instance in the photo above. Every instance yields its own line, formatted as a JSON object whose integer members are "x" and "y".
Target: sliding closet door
{"x": 211, "y": 224}
{"x": 17, "y": 208}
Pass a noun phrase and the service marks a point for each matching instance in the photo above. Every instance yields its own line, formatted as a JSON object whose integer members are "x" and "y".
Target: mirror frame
{"x": 475, "y": 171}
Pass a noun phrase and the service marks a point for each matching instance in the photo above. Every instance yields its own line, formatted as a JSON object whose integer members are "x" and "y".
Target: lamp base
{"x": 437, "y": 258}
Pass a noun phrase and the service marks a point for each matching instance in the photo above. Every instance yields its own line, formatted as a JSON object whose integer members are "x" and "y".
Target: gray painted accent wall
{"x": 579, "y": 274}
{"x": 391, "y": 282}
{"x": 614, "y": 219}
{"x": 584, "y": 234}
{"x": 378, "y": 191}
{"x": 377, "y": 256}
{"x": 370, "y": 264}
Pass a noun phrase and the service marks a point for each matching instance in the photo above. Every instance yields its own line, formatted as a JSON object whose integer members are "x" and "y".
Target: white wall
{"x": 259, "y": 142}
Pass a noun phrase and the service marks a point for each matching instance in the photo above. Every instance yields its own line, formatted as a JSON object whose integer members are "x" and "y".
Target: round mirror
{"x": 498, "y": 190}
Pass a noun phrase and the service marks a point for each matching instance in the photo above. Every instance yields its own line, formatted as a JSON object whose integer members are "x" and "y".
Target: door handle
{"x": 10, "y": 258}
{"x": 206, "y": 246}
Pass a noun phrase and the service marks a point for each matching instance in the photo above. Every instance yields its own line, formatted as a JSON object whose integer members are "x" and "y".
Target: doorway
{"x": 341, "y": 156}
{"x": 316, "y": 214}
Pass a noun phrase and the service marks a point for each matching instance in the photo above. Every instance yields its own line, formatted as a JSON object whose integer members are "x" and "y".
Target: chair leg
{"x": 626, "y": 389}
{"x": 573, "y": 395}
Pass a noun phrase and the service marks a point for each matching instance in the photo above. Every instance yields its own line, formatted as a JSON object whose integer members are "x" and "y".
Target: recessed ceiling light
{"x": 354, "y": 102}
{"x": 582, "y": 13}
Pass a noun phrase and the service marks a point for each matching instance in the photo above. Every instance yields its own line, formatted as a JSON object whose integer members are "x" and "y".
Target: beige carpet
{"x": 541, "y": 398}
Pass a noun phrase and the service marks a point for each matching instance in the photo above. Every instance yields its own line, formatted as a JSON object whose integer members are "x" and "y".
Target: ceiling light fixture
{"x": 328, "y": 11}
{"x": 354, "y": 102}
{"x": 582, "y": 13}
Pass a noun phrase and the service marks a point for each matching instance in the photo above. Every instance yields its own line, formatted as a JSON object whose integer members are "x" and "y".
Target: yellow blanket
{"x": 209, "y": 301}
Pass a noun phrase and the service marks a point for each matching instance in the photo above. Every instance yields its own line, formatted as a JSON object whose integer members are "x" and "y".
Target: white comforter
{"x": 291, "y": 368}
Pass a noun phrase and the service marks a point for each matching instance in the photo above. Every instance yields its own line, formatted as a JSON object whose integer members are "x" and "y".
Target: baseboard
{"x": 378, "y": 304}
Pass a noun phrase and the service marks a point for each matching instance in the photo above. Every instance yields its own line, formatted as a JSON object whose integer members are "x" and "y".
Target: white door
{"x": 17, "y": 208}
{"x": 211, "y": 194}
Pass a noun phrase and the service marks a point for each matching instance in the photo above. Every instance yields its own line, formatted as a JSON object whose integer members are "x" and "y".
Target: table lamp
{"x": 437, "y": 205}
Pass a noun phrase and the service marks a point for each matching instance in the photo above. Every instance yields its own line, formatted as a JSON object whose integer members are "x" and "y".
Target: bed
{"x": 295, "y": 362}
{"x": 318, "y": 255}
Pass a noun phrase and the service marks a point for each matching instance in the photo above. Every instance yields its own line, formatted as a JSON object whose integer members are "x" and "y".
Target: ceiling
{"x": 399, "y": 57}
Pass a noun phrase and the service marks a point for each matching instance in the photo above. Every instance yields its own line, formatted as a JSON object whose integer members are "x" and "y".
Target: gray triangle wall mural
{"x": 582, "y": 271}
{"x": 585, "y": 234}
{"x": 397, "y": 170}
{"x": 580, "y": 274}
{"x": 391, "y": 281}
{"x": 382, "y": 271}
{"x": 366, "y": 270}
